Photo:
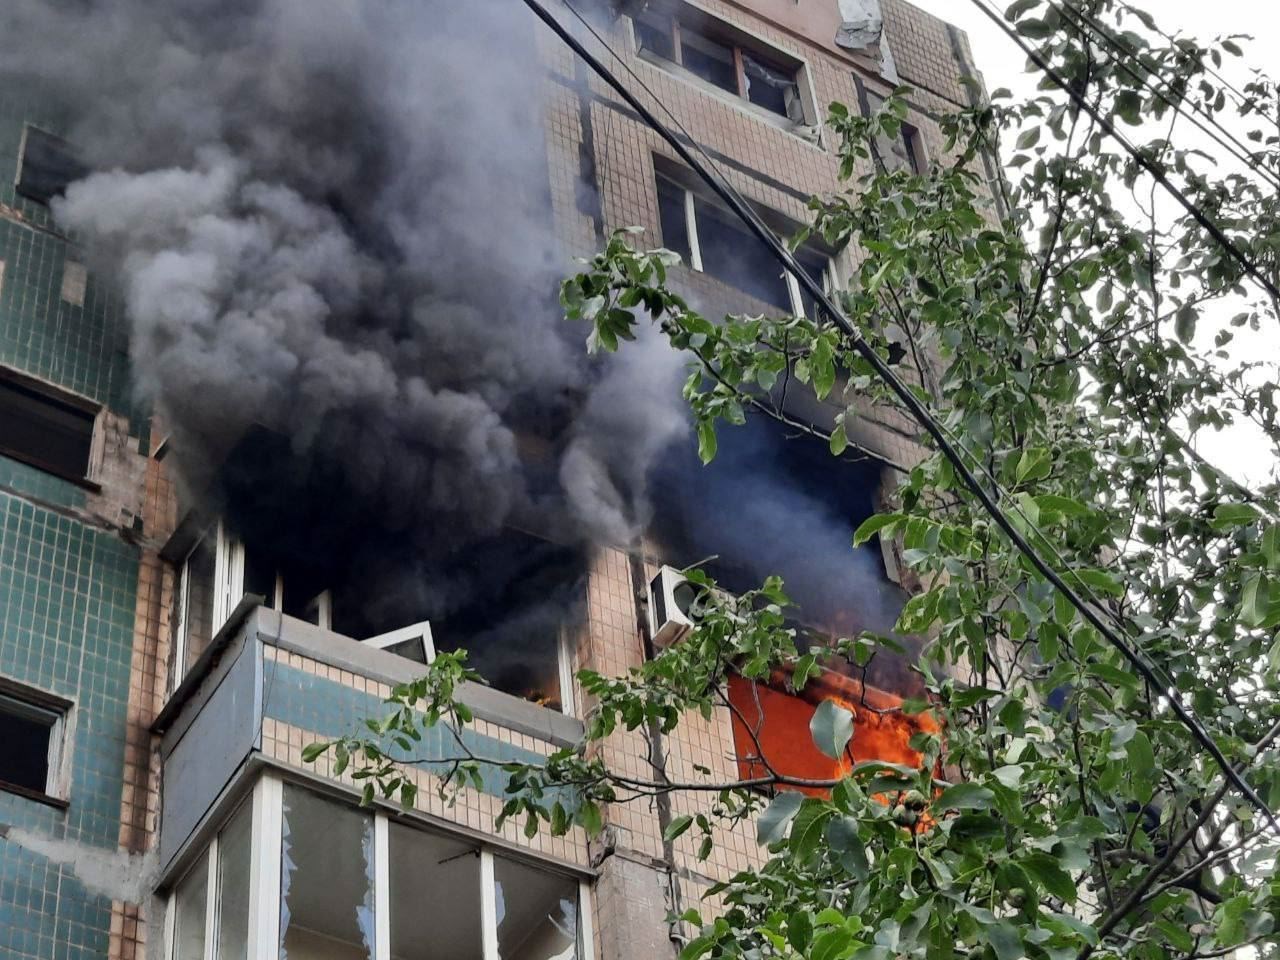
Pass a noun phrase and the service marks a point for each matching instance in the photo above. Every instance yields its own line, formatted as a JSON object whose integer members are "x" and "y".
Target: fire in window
{"x": 32, "y": 731}
{"x": 714, "y": 53}
{"x": 47, "y": 431}
{"x": 47, "y": 165}
{"x": 771, "y": 727}
{"x": 711, "y": 240}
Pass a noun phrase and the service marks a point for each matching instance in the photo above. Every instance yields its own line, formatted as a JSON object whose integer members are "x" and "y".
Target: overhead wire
{"x": 1091, "y": 28}
{"x": 916, "y": 408}
{"x": 1198, "y": 215}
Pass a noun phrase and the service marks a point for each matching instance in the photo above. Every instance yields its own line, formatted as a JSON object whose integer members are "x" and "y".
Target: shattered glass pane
{"x": 446, "y": 925}
{"x": 537, "y": 913}
{"x": 326, "y": 880}
{"x": 771, "y": 86}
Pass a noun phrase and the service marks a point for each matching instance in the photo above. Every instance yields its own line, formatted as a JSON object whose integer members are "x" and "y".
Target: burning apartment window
{"x": 903, "y": 152}
{"x": 712, "y": 241}
{"x": 519, "y": 604}
{"x": 326, "y": 880}
{"x": 46, "y": 166}
{"x": 723, "y": 57}
{"x": 449, "y": 922}
{"x": 31, "y": 729}
{"x": 45, "y": 430}
{"x": 536, "y": 912}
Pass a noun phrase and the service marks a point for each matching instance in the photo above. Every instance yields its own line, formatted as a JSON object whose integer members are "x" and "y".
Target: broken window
{"x": 190, "y": 912}
{"x": 518, "y": 602}
{"x": 715, "y": 53}
{"x": 326, "y": 880}
{"x": 903, "y": 152}
{"x": 713, "y": 241}
{"x": 45, "y": 431}
{"x": 449, "y": 922}
{"x": 31, "y": 729}
{"x": 47, "y": 165}
{"x": 536, "y": 912}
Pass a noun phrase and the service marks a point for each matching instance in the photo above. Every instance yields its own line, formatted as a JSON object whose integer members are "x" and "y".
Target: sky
{"x": 1241, "y": 452}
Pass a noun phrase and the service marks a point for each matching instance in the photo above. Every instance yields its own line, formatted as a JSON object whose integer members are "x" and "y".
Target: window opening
{"x": 31, "y": 729}
{"x": 902, "y": 152}
{"x": 326, "y": 879}
{"x": 196, "y": 589}
{"x": 695, "y": 44}
{"x": 45, "y": 432}
{"x": 712, "y": 242}
{"x": 536, "y": 913}
{"x": 447, "y": 923}
{"x": 47, "y": 166}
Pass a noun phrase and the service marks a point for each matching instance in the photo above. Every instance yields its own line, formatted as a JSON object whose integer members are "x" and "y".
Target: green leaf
{"x": 799, "y": 930}
{"x": 873, "y": 525}
{"x": 806, "y": 830}
{"x": 1027, "y": 139}
{"x": 772, "y": 825}
{"x": 312, "y": 751}
{"x": 1034, "y": 464}
{"x": 1018, "y": 8}
{"x": 1184, "y": 323}
{"x": 706, "y": 441}
{"x": 831, "y": 728}
{"x": 965, "y": 796}
{"x": 1229, "y": 515}
{"x": 1046, "y": 871}
{"x": 1063, "y": 505}
{"x": 832, "y": 944}
{"x": 676, "y": 827}
{"x": 1003, "y": 939}
{"x": 1129, "y": 107}
{"x": 590, "y": 818}
{"x": 838, "y": 441}
{"x": 843, "y": 838}
{"x": 1254, "y": 600}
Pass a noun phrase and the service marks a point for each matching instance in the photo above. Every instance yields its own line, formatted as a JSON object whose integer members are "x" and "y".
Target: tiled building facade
{"x": 172, "y": 800}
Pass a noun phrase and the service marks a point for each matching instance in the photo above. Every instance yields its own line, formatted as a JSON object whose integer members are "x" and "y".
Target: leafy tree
{"x": 1074, "y": 332}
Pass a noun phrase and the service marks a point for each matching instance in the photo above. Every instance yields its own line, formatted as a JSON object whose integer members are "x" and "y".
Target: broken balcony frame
{"x": 264, "y": 921}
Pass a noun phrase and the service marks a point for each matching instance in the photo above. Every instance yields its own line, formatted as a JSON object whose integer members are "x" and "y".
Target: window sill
{"x": 83, "y": 483}
{"x": 38, "y": 796}
{"x": 745, "y": 107}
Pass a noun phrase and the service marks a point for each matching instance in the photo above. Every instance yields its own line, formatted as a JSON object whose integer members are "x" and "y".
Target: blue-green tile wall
{"x": 67, "y": 589}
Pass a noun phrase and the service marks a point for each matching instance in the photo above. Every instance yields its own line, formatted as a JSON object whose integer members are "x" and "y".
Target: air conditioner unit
{"x": 670, "y": 597}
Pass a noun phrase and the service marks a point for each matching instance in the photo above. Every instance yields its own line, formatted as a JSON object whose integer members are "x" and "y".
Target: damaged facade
{"x": 183, "y": 608}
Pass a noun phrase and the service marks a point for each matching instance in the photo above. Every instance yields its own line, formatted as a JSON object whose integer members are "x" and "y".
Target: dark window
{"x": 43, "y": 431}
{"x": 731, "y": 254}
{"x": 815, "y": 264}
{"x": 48, "y": 164}
{"x": 772, "y": 86}
{"x": 896, "y": 153}
{"x": 655, "y": 32}
{"x": 709, "y": 59}
{"x": 675, "y": 228}
{"x": 29, "y": 728}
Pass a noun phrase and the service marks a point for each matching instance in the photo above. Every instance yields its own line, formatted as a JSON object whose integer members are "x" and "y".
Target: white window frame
{"x": 266, "y": 804}
{"x": 56, "y": 717}
{"x": 830, "y": 275}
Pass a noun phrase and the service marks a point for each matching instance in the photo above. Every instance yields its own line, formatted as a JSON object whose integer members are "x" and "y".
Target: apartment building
{"x": 166, "y": 657}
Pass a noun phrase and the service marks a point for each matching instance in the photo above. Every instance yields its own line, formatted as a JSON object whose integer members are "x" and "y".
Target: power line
{"x": 1232, "y": 144}
{"x": 916, "y": 407}
{"x": 1159, "y": 175}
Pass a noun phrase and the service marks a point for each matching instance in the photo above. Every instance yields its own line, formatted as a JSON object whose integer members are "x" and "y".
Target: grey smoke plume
{"x": 334, "y": 218}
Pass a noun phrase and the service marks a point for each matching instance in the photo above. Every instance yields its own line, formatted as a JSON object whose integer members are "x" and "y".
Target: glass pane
{"x": 197, "y": 612}
{"x": 675, "y": 228}
{"x": 25, "y": 731}
{"x": 537, "y": 913}
{"x": 708, "y": 59}
{"x": 731, "y": 254}
{"x": 190, "y": 902}
{"x": 654, "y": 33}
{"x": 434, "y": 898}
{"x": 771, "y": 86}
{"x": 234, "y": 846}
{"x": 816, "y": 265}
{"x": 326, "y": 880}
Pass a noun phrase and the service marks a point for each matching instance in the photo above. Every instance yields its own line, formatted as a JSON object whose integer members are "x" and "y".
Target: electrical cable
{"x": 916, "y": 407}
{"x": 1154, "y": 171}
{"x": 1091, "y": 28}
